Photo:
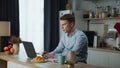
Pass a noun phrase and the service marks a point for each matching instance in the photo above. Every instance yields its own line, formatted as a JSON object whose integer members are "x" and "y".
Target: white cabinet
{"x": 98, "y": 58}
{"x": 15, "y": 65}
{"x": 105, "y": 59}
{"x": 114, "y": 60}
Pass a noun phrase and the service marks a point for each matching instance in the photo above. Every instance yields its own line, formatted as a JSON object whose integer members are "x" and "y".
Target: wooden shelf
{"x": 102, "y": 18}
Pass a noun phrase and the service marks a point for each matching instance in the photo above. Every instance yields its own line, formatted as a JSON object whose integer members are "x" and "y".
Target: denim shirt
{"x": 76, "y": 41}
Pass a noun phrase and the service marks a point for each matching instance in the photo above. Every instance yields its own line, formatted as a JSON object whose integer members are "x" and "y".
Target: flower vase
{"x": 16, "y": 47}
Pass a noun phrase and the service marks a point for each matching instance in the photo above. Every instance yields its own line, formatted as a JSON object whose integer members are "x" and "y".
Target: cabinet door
{"x": 14, "y": 65}
{"x": 98, "y": 58}
{"x": 114, "y": 60}
{"x": 3, "y": 63}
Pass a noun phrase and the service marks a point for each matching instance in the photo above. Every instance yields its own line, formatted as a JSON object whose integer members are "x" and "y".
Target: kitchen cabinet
{"x": 14, "y": 65}
{"x": 98, "y": 58}
{"x": 106, "y": 59}
{"x": 3, "y": 63}
{"x": 114, "y": 60}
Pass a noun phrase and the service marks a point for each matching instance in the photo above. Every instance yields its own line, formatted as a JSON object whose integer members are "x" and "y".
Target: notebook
{"x": 29, "y": 48}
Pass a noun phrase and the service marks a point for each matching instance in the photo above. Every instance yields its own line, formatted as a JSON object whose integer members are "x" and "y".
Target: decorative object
{"x": 71, "y": 59}
{"x": 68, "y": 6}
{"x": 15, "y": 41}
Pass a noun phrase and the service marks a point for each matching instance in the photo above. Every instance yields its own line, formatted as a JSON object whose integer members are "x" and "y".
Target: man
{"x": 72, "y": 40}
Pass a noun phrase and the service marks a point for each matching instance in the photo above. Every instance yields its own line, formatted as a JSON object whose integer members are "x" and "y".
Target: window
{"x": 32, "y": 23}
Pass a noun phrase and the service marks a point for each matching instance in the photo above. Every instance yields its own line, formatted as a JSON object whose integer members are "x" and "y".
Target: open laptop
{"x": 29, "y": 48}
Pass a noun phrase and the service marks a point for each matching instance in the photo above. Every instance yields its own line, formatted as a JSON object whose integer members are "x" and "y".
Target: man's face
{"x": 66, "y": 26}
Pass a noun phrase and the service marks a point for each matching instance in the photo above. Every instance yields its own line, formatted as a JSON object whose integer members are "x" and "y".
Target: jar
{"x": 85, "y": 14}
{"x": 107, "y": 9}
{"x": 114, "y": 12}
{"x": 104, "y": 14}
{"x": 98, "y": 10}
{"x": 90, "y": 14}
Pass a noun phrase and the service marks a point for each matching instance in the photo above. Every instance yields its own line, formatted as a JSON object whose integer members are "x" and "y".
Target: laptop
{"x": 29, "y": 48}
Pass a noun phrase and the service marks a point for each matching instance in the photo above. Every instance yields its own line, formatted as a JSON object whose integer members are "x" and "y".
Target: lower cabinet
{"x": 15, "y": 65}
{"x": 114, "y": 60}
{"x": 105, "y": 59}
{"x": 3, "y": 63}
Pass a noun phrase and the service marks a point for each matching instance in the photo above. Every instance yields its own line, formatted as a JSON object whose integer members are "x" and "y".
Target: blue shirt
{"x": 76, "y": 41}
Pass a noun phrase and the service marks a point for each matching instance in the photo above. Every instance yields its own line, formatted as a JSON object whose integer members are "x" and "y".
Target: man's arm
{"x": 80, "y": 44}
{"x": 58, "y": 50}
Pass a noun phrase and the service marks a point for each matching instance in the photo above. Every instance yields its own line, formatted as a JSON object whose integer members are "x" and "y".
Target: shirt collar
{"x": 72, "y": 33}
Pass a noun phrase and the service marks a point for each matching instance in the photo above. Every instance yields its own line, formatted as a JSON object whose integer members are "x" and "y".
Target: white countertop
{"x": 104, "y": 50}
{"x": 22, "y": 59}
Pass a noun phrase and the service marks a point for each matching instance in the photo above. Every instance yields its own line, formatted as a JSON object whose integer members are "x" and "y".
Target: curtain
{"x": 9, "y": 11}
{"x": 51, "y": 22}
{"x": 31, "y": 22}
{"x": 13, "y": 15}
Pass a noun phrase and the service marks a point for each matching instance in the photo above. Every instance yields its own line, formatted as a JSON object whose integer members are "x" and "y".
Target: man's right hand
{"x": 47, "y": 55}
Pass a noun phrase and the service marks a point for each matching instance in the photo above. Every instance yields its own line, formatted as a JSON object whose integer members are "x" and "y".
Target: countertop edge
{"x": 104, "y": 50}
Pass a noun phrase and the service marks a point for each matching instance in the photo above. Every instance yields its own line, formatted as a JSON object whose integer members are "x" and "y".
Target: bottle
{"x": 107, "y": 10}
{"x": 97, "y": 12}
{"x": 114, "y": 12}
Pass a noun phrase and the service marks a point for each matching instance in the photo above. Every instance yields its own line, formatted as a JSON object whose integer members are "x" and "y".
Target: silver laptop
{"x": 29, "y": 48}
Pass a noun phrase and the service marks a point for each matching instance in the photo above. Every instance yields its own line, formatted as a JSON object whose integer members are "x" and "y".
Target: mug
{"x": 61, "y": 59}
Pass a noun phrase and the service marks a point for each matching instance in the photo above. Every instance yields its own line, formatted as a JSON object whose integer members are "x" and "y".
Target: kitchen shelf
{"x": 102, "y": 18}
{"x": 98, "y": 19}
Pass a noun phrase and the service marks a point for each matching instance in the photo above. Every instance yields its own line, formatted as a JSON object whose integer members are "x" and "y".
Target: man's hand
{"x": 47, "y": 55}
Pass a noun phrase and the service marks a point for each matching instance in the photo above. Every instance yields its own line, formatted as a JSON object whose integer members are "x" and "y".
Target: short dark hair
{"x": 68, "y": 17}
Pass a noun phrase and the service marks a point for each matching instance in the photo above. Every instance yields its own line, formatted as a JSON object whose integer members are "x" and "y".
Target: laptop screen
{"x": 29, "y": 48}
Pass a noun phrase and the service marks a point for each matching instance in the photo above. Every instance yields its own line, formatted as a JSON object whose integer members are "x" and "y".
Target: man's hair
{"x": 68, "y": 17}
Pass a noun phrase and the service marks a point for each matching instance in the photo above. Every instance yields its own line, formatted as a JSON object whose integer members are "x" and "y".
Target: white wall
{"x": 78, "y": 6}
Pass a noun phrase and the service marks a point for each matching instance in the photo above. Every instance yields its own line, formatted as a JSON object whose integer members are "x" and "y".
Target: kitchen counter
{"x": 23, "y": 60}
{"x": 105, "y": 57}
{"x": 104, "y": 50}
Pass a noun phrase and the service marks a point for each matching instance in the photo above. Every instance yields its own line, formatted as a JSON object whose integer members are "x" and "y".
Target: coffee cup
{"x": 61, "y": 59}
